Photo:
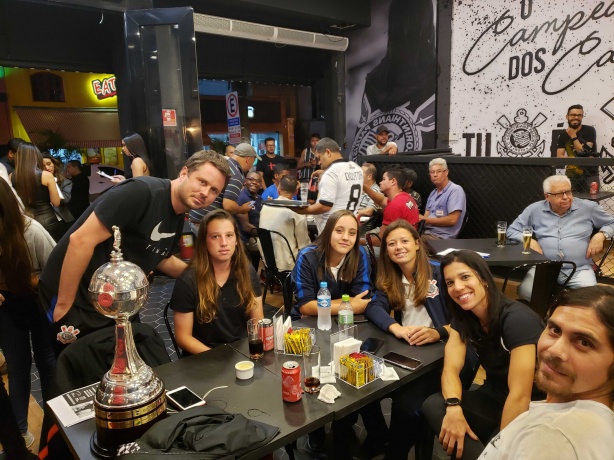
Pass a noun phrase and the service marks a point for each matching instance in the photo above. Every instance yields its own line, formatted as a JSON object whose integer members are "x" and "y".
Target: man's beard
{"x": 547, "y": 385}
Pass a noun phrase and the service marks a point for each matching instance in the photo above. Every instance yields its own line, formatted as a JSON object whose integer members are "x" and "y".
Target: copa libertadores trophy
{"x": 130, "y": 397}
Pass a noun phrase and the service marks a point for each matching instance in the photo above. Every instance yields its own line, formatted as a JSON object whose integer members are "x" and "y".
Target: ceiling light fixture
{"x": 252, "y": 31}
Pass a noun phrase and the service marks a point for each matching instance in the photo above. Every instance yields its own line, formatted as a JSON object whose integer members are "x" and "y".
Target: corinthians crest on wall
{"x": 521, "y": 138}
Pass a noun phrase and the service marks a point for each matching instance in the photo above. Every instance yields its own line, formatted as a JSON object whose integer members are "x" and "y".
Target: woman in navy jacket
{"x": 407, "y": 285}
{"x": 337, "y": 258}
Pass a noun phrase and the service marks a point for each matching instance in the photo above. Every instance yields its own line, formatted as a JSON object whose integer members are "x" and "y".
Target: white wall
{"x": 517, "y": 65}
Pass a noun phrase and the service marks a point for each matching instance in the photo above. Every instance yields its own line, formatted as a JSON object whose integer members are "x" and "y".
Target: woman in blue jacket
{"x": 337, "y": 258}
{"x": 408, "y": 286}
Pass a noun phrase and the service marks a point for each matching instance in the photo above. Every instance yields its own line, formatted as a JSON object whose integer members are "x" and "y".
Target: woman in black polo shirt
{"x": 219, "y": 291}
{"x": 503, "y": 333}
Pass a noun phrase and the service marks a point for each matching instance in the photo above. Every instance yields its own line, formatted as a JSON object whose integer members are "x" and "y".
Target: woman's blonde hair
{"x": 389, "y": 274}
{"x": 208, "y": 289}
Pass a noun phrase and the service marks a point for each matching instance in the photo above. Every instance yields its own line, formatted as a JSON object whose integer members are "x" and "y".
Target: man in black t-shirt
{"x": 266, "y": 164}
{"x": 80, "y": 198}
{"x": 579, "y": 141}
{"x": 149, "y": 212}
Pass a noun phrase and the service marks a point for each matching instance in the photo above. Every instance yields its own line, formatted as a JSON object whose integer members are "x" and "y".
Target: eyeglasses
{"x": 560, "y": 194}
{"x": 573, "y": 115}
{"x": 432, "y": 173}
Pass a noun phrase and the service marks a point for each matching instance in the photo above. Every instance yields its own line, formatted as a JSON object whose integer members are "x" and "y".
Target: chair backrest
{"x": 170, "y": 330}
{"x": 609, "y": 245}
{"x": 267, "y": 249}
{"x": 288, "y": 295}
{"x": 545, "y": 285}
{"x": 369, "y": 239}
{"x": 420, "y": 227}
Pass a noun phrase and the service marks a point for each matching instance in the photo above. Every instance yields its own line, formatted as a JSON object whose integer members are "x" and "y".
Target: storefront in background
{"x": 65, "y": 111}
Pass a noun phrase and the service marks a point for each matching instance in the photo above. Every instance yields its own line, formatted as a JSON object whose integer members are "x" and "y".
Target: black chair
{"x": 545, "y": 286}
{"x": 372, "y": 258}
{"x": 287, "y": 290}
{"x": 420, "y": 227}
{"x": 171, "y": 333}
{"x": 598, "y": 270}
{"x": 267, "y": 249}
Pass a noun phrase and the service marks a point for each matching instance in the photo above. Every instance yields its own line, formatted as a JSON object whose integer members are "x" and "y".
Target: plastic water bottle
{"x": 324, "y": 322}
{"x": 345, "y": 316}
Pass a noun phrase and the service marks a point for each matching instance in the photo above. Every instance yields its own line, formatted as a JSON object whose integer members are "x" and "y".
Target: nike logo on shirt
{"x": 157, "y": 236}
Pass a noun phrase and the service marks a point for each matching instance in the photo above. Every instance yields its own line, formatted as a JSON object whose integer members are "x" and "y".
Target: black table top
{"x": 351, "y": 398}
{"x": 510, "y": 255}
{"x": 260, "y": 397}
{"x": 599, "y": 196}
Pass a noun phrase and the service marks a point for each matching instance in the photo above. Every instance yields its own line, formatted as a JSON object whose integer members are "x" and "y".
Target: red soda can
{"x": 594, "y": 188}
{"x": 291, "y": 389}
{"x": 266, "y": 333}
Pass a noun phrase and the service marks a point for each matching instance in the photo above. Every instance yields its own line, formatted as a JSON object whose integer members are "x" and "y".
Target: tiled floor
{"x": 153, "y": 314}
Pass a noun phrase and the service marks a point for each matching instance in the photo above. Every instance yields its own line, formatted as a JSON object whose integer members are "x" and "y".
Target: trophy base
{"x": 117, "y": 426}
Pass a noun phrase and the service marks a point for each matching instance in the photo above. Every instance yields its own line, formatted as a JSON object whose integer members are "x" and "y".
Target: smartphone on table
{"x": 402, "y": 361}
{"x": 183, "y": 398}
{"x": 371, "y": 345}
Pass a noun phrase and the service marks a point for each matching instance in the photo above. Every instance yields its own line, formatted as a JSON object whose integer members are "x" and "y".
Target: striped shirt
{"x": 231, "y": 192}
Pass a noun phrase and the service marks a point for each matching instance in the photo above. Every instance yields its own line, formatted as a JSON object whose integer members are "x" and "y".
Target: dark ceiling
{"x": 84, "y": 35}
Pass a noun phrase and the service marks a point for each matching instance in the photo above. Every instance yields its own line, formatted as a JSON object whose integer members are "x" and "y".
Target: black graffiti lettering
{"x": 480, "y": 145}
{"x": 526, "y": 8}
{"x": 468, "y": 137}
{"x": 524, "y": 66}
{"x": 504, "y": 19}
{"x": 495, "y": 33}
{"x": 539, "y": 59}
{"x": 585, "y": 47}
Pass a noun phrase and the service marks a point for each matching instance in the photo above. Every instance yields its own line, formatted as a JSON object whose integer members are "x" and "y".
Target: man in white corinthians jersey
{"x": 340, "y": 184}
{"x": 576, "y": 370}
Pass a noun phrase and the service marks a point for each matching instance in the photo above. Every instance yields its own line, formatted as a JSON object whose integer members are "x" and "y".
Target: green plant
{"x": 48, "y": 139}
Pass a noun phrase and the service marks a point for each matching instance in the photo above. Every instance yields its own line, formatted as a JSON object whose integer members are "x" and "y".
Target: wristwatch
{"x": 452, "y": 402}
{"x": 606, "y": 234}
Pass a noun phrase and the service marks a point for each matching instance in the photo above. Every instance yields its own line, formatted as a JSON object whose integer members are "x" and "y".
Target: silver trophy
{"x": 130, "y": 398}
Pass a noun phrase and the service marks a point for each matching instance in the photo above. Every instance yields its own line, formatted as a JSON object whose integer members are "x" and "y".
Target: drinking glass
{"x": 311, "y": 369}
{"x": 501, "y": 230}
{"x": 527, "y": 233}
{"x": 254, "y": 337}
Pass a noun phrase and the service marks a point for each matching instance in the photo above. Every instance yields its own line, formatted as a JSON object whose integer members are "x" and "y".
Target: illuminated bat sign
{"x": 104, "y": 88}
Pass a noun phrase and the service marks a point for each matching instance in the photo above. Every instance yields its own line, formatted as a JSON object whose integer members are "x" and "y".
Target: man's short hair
{"x": 316, "y": 135}
{"x": 269, "y": 139}
{"x": 288, "y": 184}
{"x": 370, "y": 169}
{"x": 398, "y": 174}
{"x": 327, "y": 143}
{"x": 599, "y": 298}
{"x": 438, "y": 161}
{"x": 556, "y": 179}
{"x": 280, "y": 168}
{"x": 208, "y": 156}
{"x": 575, "y": 107}
{"x": 14, "y": 143}
{"x": 75, "y": 163}
{"x": 411, "y": 175}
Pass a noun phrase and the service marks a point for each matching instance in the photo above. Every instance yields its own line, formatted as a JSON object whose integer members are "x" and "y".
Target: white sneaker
{"x": 28, "y": 438}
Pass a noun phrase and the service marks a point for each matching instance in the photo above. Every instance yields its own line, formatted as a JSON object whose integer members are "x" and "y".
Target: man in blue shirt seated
{"x": 446, "y": 205}
{"x": 271, "y": 192}
{"x": 249, "y": 223}
{"x": 562, "y": 229}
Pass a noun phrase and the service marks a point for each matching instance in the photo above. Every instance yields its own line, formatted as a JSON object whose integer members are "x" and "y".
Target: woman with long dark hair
{"x": 408, "y": 285}
{"x": 136, "y": 159}
{"x": 336, "y": 257}
{"x": 24, "y": 249}
{"x": 54, "y": 166}
{"x": 36, "y": 188}
{"x": 219, "y": 291}
{"x": 504, "y": 334}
